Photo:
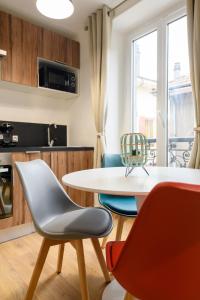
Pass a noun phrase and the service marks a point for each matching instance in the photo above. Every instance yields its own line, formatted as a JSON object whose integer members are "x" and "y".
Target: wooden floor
{"x": 18, "y": 257}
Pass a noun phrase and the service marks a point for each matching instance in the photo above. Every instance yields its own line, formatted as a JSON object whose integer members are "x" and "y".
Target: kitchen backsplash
{"x": 34, "y": 134}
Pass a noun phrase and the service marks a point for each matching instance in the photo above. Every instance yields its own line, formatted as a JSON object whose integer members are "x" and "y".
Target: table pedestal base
{"x": 140, "y": 200}
{"x": 114, "y": 291}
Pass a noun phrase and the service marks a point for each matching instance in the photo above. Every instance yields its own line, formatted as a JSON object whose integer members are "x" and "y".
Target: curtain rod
{"x": 111, "y": 10}
{"x": 117, "y": 6}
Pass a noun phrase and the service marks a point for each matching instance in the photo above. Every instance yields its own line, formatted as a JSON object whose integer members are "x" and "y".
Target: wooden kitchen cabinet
{"x": 71, "y": 161}
{"x": 24, "y": 52}
{"x": 21, "y": 212}
{"x": 75, "y": 54}
{"x": 61, "y": 162}
{"x": 19, "y": 38}
{"x": 30, "y": 34}
{"x": 25, "y": 42}
{"x": 18, "y": 198}
{"x": 80, "y": 160}
{"x": 62, "y": 49}
{"x": 5, "y": 44}
{"x": 16, "y": 38}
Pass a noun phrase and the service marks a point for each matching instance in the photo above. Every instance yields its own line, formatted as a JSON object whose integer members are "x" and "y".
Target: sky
{"x": 178, "y": 47}
{"x": 177, "y": 50}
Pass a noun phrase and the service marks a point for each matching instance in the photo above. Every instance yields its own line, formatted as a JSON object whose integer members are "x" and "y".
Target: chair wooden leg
{"x": 60, "y": 258}
{"x": 119, "y": 228}
{"x": 128, "y": 297}
{"x": 103, "y": 245}
{"x": 101, "y": 259}
{"x": 38, "y": 268}
{"x": 82, "y": 270}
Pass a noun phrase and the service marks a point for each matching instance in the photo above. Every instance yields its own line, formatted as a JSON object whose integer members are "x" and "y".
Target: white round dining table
{"x": 138, "y": 184}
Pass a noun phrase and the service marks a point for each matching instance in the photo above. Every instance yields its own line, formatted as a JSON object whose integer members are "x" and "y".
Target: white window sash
{"x": 161, "y": 25}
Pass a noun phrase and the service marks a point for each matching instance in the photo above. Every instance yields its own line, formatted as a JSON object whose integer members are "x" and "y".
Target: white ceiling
{"x": 140, "y": 11}
{"x": 83, "y": 8}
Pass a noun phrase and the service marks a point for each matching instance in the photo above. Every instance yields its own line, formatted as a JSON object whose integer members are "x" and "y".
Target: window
{"x": 145, "y": 86}
{"x": 180, "y": 102}
{"x": 162, "y": 94}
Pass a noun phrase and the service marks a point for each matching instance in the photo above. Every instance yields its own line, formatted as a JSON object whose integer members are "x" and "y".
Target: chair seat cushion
{"x": 78, "y": 224}
{"x": 121, "y": 205}
{"x": 113, "y": 251}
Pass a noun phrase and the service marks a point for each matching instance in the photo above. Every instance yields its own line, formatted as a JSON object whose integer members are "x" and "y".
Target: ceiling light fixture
{"x": 55, "y": 9}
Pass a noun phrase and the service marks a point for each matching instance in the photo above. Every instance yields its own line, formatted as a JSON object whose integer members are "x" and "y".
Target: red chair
{"x": 160, "y": 260}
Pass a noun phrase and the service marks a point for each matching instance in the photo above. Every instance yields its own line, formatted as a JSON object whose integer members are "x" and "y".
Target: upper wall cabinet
{"x": 24, "y": 50}
{"x": 5, "y": 44}
{"x": 25, "y": 42}
{"x": 61, "y": 50}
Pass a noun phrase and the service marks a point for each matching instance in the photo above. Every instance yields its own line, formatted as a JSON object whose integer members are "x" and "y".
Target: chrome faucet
{"x": 50, "y": 141}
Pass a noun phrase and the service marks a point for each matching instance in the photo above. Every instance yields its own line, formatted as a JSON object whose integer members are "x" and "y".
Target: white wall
{"x": 18, "y": 106}
{"x": 81, "y": 122}
{"x": 75, "y": 113}
{"x": 118, "y": 108}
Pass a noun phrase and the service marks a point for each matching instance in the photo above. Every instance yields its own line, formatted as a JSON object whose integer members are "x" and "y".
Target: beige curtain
{"x": 99, "y": 39}
{"x": 193, "y": 13}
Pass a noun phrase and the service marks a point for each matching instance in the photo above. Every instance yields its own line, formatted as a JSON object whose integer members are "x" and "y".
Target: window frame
{"x": 161, "y": 26}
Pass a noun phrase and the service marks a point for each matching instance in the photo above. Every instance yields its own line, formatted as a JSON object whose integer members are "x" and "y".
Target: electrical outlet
{"x": 15, "y": 138}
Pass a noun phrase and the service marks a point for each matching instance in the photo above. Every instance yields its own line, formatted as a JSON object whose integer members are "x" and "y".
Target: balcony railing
{"x": 179, "y": 151}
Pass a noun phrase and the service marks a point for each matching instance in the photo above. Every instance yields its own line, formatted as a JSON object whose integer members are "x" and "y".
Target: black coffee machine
{"x": 7, "y": 138}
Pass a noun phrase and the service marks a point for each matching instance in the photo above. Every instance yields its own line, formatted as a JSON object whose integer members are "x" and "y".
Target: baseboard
{"x": 15, "y": 232}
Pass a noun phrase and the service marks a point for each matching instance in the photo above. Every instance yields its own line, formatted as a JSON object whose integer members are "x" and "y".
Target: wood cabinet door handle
{"x": 32, "y": 152}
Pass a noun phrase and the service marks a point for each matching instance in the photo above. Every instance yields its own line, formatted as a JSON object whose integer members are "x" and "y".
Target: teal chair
{"x": 122, "y": 206}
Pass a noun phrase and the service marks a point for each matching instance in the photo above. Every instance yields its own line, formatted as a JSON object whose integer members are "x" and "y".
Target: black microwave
{"x": 53, "y": 77}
